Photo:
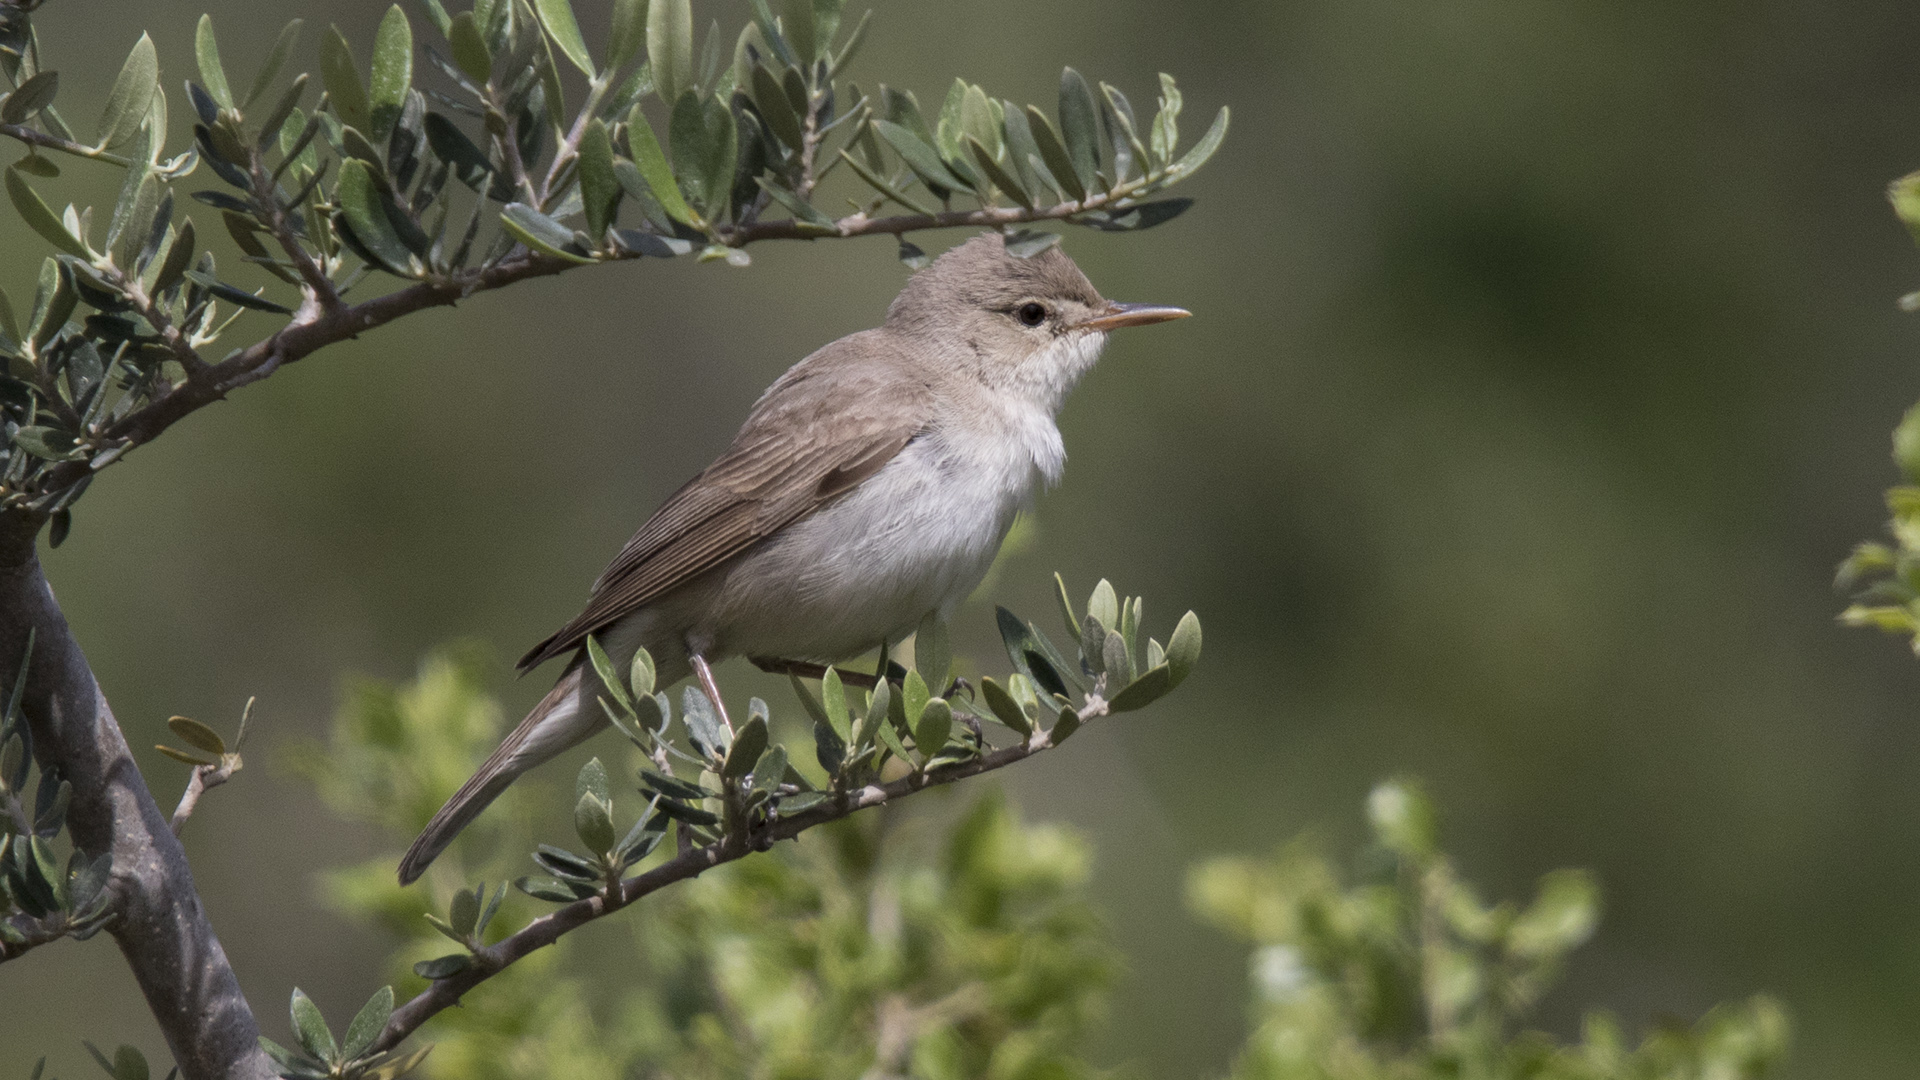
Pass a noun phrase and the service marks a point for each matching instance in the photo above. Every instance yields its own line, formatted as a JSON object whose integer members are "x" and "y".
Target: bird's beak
{"x": 1118, "y": 315}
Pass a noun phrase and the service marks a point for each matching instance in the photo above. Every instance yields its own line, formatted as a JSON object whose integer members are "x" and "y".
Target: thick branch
{"x": 549, "y": 928}
{"x": 159, "y": 923}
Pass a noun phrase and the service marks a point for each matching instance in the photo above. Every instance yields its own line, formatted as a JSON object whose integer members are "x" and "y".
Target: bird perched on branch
{"x": 871, "y": 484}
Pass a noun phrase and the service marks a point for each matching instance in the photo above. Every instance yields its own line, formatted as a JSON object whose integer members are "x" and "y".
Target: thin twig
{"x": 689, "y": 863}
{"x": 36, "y": 137}
{"x": 33, "y": 933}
{"x": 203, "y": 778}
{"x": 311, "y": 331}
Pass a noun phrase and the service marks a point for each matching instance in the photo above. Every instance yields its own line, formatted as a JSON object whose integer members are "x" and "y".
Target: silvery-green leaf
{"x": 197, "y": 735}
{"x": 551, "y": 889}
{"x": 341, "y": 74}
{"x": 1064, "y": 725}
{"x": 1183, "y": 649}
{"x": 1004, "y": 708}
{"x": 703, "y": 723}
{"x": 599, "y": 188}
{"x": 875, "y": 718}
{"x": 921, "y": 158}
{"x": 652, "y": 163}
{"x": 1156, "y": 654}
{"x": 913, "y": 698}
{"x": 132, "y": 94}
{"x": 603, "y": 667}
{"x": 276, "y": 59}
{"x": 1093, "y": 644}
{"x": 593, "y": 822}
{"x": 977, "y": 122}
{"x": 470, "y": 48}
{"x": 463, "y": 912}
{"x": 748, "y": 744}
{"x": 833, "y": 702}
{"x": 654, "y": 712}
{"x": 670, "y": 47}
{"x": 769, "y": 769}
{"x": 1060, "y": 163}
{"x": 801, "y": 803}
{"x": 207, "y": 52}
{"x": 39, "y": 217}
{"x": 935, "y": 724}
{"x": 592, "y": 780}
{"x": 1079, "y": 125}
{"x": 673, "y": 786}
{"x": 392, "y": 73}
{"x": 1104, "y": 604}
{"x": 1122, "y": 130}
{"x": 1190, "y": 163}
{"x": 775, "y": 107}
{"x": 998, "y": 175}
{"x": 829, "y": 749}
{"x": 539, "y": 232}
{"x": 557, "y": 17}
{"x": 311, "y": 1028}
{"x": 704, "y": 145}
{"x": 629, "y": 33}
{"x": 933, "y": 651}
{"x": 1143, "y": 691}
{"x": 276, "y": 120}
{"x": 804, "y": 214}
{"x": 946, "y": 129}
{"x": 565, "y": 864}
{"x": 368, "y": 1023}
{"x": 1166, "y": 123}
{"x": 642, "y": 673}
{"x": 363, "y": 205}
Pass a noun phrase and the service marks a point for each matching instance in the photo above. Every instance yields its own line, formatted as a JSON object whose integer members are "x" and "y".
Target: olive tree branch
{"x": 158, "y": 921}
{"x": 317, "y": 326}
{"x": 690, "y": 863}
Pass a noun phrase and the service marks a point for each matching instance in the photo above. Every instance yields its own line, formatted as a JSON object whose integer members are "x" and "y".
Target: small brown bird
{"x": 871, "y": 484}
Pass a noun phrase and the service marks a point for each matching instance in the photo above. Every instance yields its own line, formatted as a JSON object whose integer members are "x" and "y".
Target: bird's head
{"x": 1034, "y": 322}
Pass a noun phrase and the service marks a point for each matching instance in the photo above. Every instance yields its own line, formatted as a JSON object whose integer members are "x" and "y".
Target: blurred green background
{"x": 1543, "y": 368}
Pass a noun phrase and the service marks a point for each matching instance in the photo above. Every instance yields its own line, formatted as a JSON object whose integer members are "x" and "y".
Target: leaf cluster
{"x": 1408, "y": 974}
{"x": 469, "y": 156}
{"x": 319, "y": 1056}
{"x": 1885, "y": 577}
{"x": 43, "y": 897}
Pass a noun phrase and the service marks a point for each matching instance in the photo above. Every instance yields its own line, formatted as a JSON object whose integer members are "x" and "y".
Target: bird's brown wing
{"x": 811, "y": 439}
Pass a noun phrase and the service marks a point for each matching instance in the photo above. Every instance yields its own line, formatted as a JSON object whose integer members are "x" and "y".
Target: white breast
{"x": 917, "y": 536}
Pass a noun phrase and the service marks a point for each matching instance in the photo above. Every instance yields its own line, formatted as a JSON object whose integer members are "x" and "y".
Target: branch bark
{"x": 160, "y": 925}
{"x": 689, "y": 863}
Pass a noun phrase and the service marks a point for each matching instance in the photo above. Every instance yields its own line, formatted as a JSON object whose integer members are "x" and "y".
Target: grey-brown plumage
{"x": 871, "y": 484}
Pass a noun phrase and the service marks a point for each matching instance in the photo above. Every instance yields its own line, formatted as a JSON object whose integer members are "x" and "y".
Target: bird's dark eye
{"x": 1031, "y": 313}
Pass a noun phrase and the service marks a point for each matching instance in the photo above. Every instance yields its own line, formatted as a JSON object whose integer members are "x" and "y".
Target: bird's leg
{"x": 705, "y": 675}
{"x": 808, "y": 670}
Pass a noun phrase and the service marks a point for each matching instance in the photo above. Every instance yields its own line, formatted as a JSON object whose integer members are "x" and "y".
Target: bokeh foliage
{"x": 1407, "y": 973}
{"x": 954, "y": 944}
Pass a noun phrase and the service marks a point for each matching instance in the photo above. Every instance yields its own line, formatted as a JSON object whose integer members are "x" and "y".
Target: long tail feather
{"x": 555, "y": 724}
